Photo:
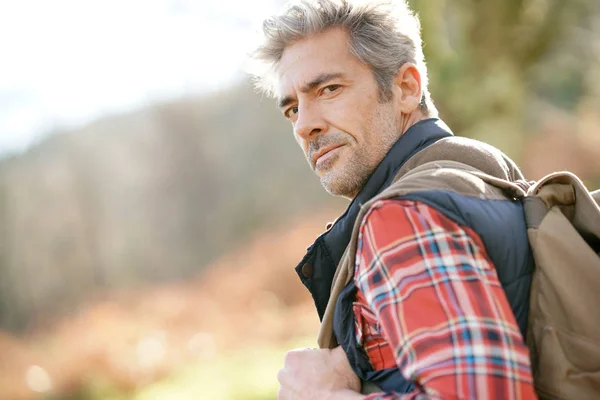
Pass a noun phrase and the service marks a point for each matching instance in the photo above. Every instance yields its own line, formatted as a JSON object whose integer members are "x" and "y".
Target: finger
{"x": 281, "y": 378}
{"x": 340, "y": 359}
{"x": 285, "y": 377}
{"x": 289, "y": 358}
{"x": 281, "y": 394}
{"x": 294, "y": 356}
{"x": 339, "y": 354}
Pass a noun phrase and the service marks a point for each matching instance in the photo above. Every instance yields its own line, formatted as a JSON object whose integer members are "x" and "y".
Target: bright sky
{"x": 64, "y": 63}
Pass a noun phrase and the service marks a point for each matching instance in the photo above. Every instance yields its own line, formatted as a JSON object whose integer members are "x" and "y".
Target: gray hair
{"x": 384, "y": 34}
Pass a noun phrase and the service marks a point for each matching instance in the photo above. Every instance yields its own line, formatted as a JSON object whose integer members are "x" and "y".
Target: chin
{"x": 332, "y": 184}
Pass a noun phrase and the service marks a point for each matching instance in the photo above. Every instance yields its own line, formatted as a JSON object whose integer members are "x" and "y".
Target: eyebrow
{"x": 317, "y": 81}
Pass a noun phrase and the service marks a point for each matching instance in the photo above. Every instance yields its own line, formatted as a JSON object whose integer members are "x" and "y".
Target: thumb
{"x": 344, "y": 369}
{"x": 340, "y": 358}
{"x": 338, "y": 351}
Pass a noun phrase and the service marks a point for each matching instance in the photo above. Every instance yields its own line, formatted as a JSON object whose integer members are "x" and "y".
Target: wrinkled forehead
{"x": 310, "y": 57}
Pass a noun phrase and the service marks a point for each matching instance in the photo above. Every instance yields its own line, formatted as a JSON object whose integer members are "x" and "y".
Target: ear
{"x": 407, "y": 87}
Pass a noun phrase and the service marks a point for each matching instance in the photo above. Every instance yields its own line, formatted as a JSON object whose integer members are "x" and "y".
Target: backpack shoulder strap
{"x": 458, "y": 177}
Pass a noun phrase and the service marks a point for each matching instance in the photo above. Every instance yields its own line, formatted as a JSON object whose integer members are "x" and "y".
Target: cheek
{"x": 351, "y": 113}
{"x": 343, "y": 117}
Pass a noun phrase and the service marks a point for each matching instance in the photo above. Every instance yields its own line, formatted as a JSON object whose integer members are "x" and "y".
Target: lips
{"x": 323, "y": 152}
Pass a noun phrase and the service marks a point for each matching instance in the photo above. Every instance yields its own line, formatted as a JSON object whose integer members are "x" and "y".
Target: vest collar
{"x": 416, "y": 138}
{"x": 318, "y": 266}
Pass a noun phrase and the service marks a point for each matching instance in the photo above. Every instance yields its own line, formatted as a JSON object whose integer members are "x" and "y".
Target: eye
{"x": 331, "y": 89}
{"x": 291, "y": 112}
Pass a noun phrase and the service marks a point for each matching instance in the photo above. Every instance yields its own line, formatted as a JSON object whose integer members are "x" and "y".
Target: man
{"x": 430, "y": 284}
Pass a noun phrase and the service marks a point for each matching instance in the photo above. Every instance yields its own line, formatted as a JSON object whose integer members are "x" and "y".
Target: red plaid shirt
{"x": 429, "y": 302}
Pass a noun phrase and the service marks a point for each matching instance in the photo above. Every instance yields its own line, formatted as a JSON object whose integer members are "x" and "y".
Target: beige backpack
{"x": 563, "y": 225}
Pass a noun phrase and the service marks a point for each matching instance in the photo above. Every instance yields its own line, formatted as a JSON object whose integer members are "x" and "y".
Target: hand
{"x": 317, "y": 374}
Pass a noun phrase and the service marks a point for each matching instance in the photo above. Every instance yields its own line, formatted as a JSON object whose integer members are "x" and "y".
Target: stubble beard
{"x": 346, "y": 181}
{"x": 361, "y": 161}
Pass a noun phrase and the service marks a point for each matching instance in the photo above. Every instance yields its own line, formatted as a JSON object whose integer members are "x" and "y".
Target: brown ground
{"x": 130, "y": 339}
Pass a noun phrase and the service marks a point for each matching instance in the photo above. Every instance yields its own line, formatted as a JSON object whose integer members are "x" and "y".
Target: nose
{"x": 309, "y": 122}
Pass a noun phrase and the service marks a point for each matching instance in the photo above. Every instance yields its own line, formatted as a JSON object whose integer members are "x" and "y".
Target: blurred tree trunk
{"x": 12, "y": 315}
{"x": 5, "y": 295}
{"x": 84, "y": 192}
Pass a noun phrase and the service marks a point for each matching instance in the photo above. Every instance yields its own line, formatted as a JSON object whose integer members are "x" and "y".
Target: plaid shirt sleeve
{"x": 439, "y": 304}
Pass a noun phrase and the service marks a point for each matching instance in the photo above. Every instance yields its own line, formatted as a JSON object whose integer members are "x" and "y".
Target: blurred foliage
{"x": 490, "y": 60}
{"x": 173, "y": 190}
{"x": 147, "y": 197}
{"x": 250, "y": 374}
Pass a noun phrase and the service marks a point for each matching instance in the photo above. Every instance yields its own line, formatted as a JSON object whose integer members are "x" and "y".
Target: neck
{"x": 408, "y": 120}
